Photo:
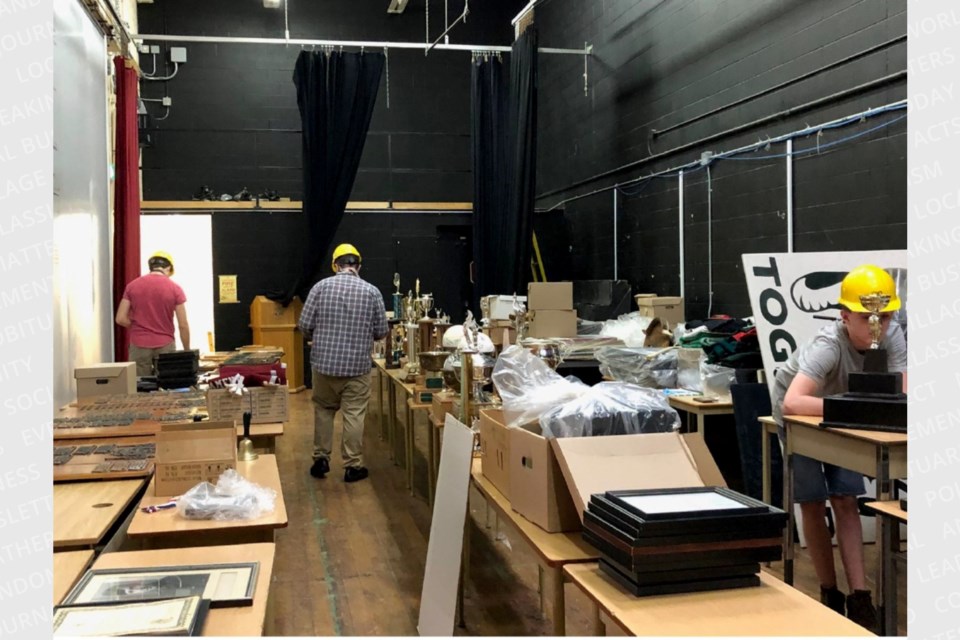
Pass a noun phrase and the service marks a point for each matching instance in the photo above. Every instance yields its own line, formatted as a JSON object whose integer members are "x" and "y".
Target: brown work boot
{"x": 833, "y": 598}
{"x": 860, "y": 609}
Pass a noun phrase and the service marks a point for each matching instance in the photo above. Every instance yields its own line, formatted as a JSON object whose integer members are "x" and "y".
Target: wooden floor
{"x": 351, "y": 561}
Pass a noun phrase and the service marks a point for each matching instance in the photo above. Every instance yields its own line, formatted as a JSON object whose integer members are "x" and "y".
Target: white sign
{"x": 793, "y": 295}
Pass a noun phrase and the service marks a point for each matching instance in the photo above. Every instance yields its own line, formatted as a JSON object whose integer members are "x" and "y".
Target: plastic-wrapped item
{"x": 715, "y": 379}
{"x": 611, "y": 409}
{"x": 647, "y": 367}
{"x": 232, "y": 498}
{"x": 629, "y": 328}
{"x": 688, "y": 369}
{"x": 528, "y": 387}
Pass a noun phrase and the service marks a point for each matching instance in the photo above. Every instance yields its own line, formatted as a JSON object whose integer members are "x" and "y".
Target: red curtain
{"x": 126, "y": 215}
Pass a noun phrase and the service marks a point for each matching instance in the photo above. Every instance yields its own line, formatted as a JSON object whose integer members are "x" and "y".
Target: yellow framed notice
{"x": 228, "y": 289}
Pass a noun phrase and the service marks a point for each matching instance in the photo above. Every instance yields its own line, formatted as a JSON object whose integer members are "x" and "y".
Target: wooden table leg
{"x": 598, "y": 628}
{"x": 431, "y": 454}
{"x": 702, "y": 426}
{"x": 765, "y": 465}
{"x": 543, "y": 610}
{"x": 383, "y": 422}
{"x": 392, "y": 421}
{"x": 464, "y": 569}
{"x": 559, "y": 606}
{"x": 788, "y": 505}
{"x": 409, "y": 416}
{"x": 884, "y": 532}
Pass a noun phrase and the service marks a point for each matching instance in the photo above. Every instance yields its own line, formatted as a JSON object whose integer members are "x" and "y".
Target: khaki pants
{"x": 145, "y": 358}
{"x": 350, "y": 396}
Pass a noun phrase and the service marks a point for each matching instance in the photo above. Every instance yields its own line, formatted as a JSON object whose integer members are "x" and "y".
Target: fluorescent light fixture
{"x": 397, "y": 6}
{"x": 271, "y": 4}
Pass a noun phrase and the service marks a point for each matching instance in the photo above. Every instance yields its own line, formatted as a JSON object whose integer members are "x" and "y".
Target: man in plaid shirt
{"x": 343, "y": 315}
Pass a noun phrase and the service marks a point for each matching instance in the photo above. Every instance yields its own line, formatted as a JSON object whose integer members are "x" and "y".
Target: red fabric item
{"x": 254, "y": 375}
{"x": 126, "y": 213}
{"x": 153, "y": 301}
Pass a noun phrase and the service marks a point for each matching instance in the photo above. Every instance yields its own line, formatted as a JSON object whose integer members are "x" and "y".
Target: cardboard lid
{"x": 641, "y": 461}
{"x": 102, "y": 370}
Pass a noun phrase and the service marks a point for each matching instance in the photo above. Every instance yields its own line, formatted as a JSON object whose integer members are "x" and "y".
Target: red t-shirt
{"x": 153, "y": 300}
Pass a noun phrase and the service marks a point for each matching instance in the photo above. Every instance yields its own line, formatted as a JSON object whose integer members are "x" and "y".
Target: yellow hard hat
{"x": 162, "y": 254}
{"x": 865, "y": 280}
{"x": 343, "y": 250}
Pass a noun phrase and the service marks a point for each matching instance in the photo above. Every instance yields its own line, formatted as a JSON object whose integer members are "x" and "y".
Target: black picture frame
{"x": 78, "y": 595}
{"x": 747, "y": 505}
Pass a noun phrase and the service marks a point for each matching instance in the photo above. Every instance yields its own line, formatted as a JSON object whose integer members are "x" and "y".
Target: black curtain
{"x": 336, "y": 92}
{"x": 489, "y": 133}
{"x": 504, "y": 143}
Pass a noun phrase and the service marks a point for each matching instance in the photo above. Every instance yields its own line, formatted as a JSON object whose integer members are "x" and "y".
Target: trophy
{"x": 485, "y": 311}
{"x": 521, "y": 319}
{"x": 397, "y": 298}
{"x": 410, "y": 313}
{"x": 875, "y": 401}
{"x": 426, "y": 303}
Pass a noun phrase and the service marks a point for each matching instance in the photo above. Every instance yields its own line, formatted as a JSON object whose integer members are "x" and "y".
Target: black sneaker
{"x": 860, "y": 609}
{"x": 353, "y": 474}
{"x": 834, "y": 599}
{"x": 320, "y": 468}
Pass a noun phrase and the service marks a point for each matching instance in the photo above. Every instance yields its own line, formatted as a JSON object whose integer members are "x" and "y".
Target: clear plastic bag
{"x": 644, "y": 366}
{"x": 629, "y": 328}
{"x": 688, "y": 369}
{"x": 611, "y": 409}
{"x": 528, "y": 387}
{"x": 715, "y": 379}
{"x": 232, "y": 498}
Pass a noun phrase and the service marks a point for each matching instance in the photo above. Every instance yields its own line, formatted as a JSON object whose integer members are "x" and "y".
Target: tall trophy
{"x": 397, "y": 298}
{"x": 875, "y": 401}
{"x": 410, "y": 312}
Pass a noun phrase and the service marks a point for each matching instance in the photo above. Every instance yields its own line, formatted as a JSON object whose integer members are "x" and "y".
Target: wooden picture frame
{"x": 224, "y": 585}
{"x": 687, "y": 503}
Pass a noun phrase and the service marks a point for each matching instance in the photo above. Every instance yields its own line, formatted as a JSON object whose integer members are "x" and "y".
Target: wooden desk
{"x": 554, "y": 550}
{"x": 168, "y": 529}
{"x": 701, "y": 409}
{"x": 433, "y": 451}
{"x": 83, "y": 512}
{"x": 380, "y": 365}
{"x": 264, "y": 436}
{"x": 889, "y": 518}
{"x": 877, "y": 454}
{"x": 773, "y": 608}
{"x": 254, "y": 620}
{"x": 394, "y": 382}
{"x": 68, "y": 566}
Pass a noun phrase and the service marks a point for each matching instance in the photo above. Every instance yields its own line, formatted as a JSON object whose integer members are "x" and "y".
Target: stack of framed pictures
{"x": 683, "y": 540}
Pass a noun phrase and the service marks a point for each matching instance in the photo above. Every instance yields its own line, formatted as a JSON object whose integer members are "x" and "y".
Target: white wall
{"x": 82, "y": 301}
{"x": 189, "y": 241}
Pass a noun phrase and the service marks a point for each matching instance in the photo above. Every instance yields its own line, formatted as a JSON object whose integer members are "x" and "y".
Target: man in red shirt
{"x": 147, "y": 309}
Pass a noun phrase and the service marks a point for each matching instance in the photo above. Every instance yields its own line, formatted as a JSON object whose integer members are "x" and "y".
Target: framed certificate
{"x": 224, "y": 585}
{"x": 686, "y": 503}
{"x": 175, "y": 617}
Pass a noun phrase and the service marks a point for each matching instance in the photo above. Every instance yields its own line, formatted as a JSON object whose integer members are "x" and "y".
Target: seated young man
{"x": 818, "y": 369}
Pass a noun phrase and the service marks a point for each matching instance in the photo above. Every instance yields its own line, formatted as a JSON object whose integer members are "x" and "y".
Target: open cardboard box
{"x": 644, "y": 461}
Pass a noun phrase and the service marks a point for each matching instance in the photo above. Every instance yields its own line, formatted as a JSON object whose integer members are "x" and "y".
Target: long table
{"x": 251, "y": 620}
{"x": 554, "y": 551}
{"x": 701, "y": 409}
{"x": 773, "y": 608}
{"x": 68, "y": 566}
{"x": 167, "y": 528}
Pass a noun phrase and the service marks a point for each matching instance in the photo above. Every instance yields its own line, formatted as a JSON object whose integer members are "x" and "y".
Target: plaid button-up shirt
{"x": 344, "y": 315}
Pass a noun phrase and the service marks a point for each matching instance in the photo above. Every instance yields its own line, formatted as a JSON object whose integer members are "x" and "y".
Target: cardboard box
{"x": 442, "y": 404}
{"x": 496, "y": 335}
{"x": 269, "y": 404}
{"x": 669, "y": 308}
{"x": 550, "y": 296}
{"x": 495, "y": 450}
{"x": 193, "y": 452}
{"x": 502, "y": 306}
{"x": 553, "y": 324}
{"x": 538, "y": 490}
{"x": 643, "y": 461}
{"x": 104, "y": 379}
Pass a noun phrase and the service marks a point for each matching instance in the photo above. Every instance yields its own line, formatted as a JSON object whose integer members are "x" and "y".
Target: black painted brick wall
{"x": 659, "y": 62}
{"x": 235, "y": 123}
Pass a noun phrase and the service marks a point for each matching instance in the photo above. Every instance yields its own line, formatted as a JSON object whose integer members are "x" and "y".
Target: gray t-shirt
{"x": 829, "y": 357}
